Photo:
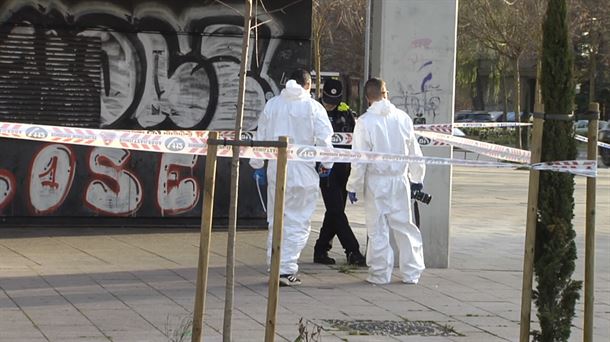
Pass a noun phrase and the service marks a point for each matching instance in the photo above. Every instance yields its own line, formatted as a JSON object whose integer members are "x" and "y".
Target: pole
{"x": 367, "y": 53}
{"x": 592, "y": 64}
{"x": 207, "y": 210}
{"x": 232, "y": 228}
{"x": 276, "y": 244}
{"x": 590, "y": 229}
{"x": 530, "y": 229}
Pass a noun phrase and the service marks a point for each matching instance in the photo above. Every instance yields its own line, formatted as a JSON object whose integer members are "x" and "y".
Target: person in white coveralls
{"x": 386, "y": 187}
{"x": 295, "y": 114}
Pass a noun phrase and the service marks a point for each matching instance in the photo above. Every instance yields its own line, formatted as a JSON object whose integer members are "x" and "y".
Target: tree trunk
{"x": 504, "y": 96}
{"x": 479, "y": 96}
{"x": 232, "y": 229}
{"x": 317, "y": 65}
{"x": 592, "y": 66}
{"x": 538, "y": 92}
{"x": 517, "y": 98}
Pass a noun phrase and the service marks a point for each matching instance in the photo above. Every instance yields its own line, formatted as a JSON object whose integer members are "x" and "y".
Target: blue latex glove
{"x": 260, "y": 175}
{"x": 323, "y": 172}
{"x": 352, "y": 197}
{"x": 416, "y": 187}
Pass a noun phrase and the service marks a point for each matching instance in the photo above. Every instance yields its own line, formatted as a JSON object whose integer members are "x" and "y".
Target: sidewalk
{"x": 139, "y": 285}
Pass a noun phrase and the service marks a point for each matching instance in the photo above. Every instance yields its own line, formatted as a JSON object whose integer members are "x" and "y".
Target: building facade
{"x": 137, "y": 65}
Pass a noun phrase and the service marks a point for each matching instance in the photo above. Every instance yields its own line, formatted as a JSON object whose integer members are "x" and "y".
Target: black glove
{"x": 416, "y": 187}
{"x": 352, "y": 197}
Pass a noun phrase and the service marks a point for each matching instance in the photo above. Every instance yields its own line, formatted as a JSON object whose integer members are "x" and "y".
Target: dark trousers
{"x": 335, "y": 221}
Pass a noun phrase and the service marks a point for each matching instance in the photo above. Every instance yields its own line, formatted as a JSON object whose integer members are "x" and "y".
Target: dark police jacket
{"x": 342, "y": 118}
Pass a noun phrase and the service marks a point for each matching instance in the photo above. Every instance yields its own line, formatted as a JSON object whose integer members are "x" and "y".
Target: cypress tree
{"x": 555, "y": 252}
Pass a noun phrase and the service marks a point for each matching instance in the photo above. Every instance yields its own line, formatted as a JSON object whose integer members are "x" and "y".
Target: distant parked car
{"x": 473, "y": 117}
{"x": 510, "y": 117}
{"x": 495, "y": 115}
{"x": 582, "y": 126}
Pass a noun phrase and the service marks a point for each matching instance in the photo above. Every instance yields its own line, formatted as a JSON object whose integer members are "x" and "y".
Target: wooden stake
{"x": 232, "y": 228}
{"x": 530, "y": 229}
{"x": 276, "y": 245}
{"x": 207, "y": 210}
{"x": 590, "y": 230}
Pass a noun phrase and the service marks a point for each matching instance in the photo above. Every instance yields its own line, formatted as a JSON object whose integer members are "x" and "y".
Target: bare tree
{"x": 473, "y": 61}
{"x": 590, "y": 32}
{"x": 234, "y": 194}
{"x": 509, "y": 28}
{"x": 337, "y": 34}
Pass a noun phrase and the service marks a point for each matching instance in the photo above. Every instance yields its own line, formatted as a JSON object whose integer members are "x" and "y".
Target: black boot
{"x": 323, "y": 258}
{"x": 356, "y": 259}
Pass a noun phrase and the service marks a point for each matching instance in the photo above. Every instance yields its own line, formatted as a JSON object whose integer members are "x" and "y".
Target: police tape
{"x": 195, "y": 142}
{"x": 487, "y": 149}
{"x": 587, "y": 168}
{"x": 585, "y": 139}
{"x": 491, "y": 124}
{"x": 483, "y": 148}
{"x": 169, "y": 142}
{"x": 346, "y": 139}
{"x": 447, "y": 128}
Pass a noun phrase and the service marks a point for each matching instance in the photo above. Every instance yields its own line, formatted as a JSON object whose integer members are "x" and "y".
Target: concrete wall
{"x": 413, "y": 50}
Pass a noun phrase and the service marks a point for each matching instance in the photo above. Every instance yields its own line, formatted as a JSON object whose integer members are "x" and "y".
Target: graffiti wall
{"x": 68, "y": 181}
{"x": 142, "y": 64}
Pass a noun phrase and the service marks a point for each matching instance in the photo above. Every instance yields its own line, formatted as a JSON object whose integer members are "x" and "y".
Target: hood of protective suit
{"x": 382, "y": 107}
{"x": 294, "y": 91}
{"x": 295, "y": 114}
{"x": 385, "y": 129}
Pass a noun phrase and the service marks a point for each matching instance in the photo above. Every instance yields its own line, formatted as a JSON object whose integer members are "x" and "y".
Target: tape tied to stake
{"x": 587, "y": 168}
{"x": 447, "y": 128}
{"x": 585, "y": 139}
{"x": 195, "y": 143}
{"x": 487, "y": 149}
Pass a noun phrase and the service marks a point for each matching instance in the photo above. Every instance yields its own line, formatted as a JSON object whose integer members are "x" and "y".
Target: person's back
{"x": 386, "y": 189}
{"x": 392, "y": 130}
{"x": 294, "y": 114}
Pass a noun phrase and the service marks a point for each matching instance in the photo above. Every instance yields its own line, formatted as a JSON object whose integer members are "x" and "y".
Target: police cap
{"x": 332, "y": 92}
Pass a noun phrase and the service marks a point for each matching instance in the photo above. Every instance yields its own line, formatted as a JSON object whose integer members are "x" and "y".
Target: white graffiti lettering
{"x": 51, "y": 175}
{"x": 114, "y": 190}
{"x": 177, "y": 190}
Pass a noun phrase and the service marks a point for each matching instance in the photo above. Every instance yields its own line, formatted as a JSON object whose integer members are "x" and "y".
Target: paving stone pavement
{"x": 99, "y": 284}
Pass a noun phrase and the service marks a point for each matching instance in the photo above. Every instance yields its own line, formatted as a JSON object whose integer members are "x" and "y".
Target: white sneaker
{"x": 376, "y": 280}
{"x": 289, "y": 280}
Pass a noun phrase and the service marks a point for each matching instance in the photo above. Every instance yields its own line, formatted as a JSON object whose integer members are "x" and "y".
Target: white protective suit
{"x": 294, "y": 114}
{"x": 387, "y": 192}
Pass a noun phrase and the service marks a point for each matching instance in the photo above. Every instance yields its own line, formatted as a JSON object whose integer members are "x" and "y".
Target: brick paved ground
{"x": 138, "y": 284}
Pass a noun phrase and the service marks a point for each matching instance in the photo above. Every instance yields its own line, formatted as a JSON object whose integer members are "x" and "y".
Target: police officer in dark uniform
{"x": 334, "y": 194}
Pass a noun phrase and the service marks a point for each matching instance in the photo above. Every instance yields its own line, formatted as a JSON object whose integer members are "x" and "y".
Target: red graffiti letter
{"x": 51, "y": 175}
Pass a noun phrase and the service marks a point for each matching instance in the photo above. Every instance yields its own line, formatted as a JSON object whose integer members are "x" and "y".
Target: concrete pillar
{"x": 413, "y": 50}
